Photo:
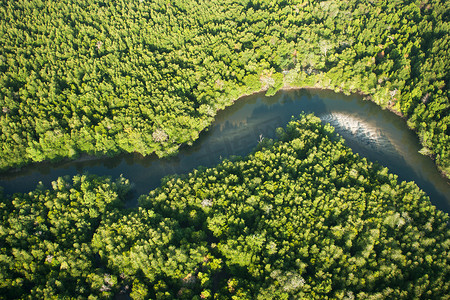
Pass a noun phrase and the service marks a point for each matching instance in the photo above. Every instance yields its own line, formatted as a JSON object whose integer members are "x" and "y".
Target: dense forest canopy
{"x": 302, "y": 217}
{"x": 102, "y": 77}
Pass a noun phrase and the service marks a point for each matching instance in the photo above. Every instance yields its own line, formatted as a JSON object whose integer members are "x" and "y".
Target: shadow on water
{"x": 371, "y": 132}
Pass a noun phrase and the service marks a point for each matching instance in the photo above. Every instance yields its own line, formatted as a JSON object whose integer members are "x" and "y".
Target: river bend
{"x": 370, "y": 131}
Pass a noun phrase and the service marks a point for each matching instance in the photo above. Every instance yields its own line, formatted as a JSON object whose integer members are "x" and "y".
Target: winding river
{"x": 370, "y": 131}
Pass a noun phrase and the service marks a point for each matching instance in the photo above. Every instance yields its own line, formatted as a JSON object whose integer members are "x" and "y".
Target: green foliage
{"x": 102, "y": 77}
{"x": 45, "y": 239}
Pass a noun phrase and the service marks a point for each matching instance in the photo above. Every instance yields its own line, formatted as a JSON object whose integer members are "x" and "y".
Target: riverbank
{"x": 366, "y": 96}
{"x": 285, "y": 88}
{"x": 236, "y": 131}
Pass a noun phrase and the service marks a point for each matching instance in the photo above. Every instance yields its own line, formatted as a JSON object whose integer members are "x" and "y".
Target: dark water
{"x": 376, "y": 134}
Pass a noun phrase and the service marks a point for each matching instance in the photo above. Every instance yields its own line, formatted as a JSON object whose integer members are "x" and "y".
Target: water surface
{"x": 370, "y": 131}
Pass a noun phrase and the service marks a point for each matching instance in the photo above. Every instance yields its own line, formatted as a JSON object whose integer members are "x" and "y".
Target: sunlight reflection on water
{"x": 354, "y": 128}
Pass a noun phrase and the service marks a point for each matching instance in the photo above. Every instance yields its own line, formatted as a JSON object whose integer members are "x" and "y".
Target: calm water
{"x": 376, "y": 134}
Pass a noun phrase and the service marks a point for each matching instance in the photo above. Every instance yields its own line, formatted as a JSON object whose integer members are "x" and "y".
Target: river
{"x": 370, "y": 131}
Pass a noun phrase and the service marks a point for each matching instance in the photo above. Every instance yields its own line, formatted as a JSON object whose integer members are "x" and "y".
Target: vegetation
{"x": 302, "y": 217}
{"x": 102, "y": 77}
{"x": 46, "y": 237}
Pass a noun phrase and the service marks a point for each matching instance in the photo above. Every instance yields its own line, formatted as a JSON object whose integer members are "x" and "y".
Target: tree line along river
{"x": 368, "y": 130}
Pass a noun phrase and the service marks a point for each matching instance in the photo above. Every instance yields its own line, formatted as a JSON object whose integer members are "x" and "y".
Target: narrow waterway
{"x": 370, "y": 131}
